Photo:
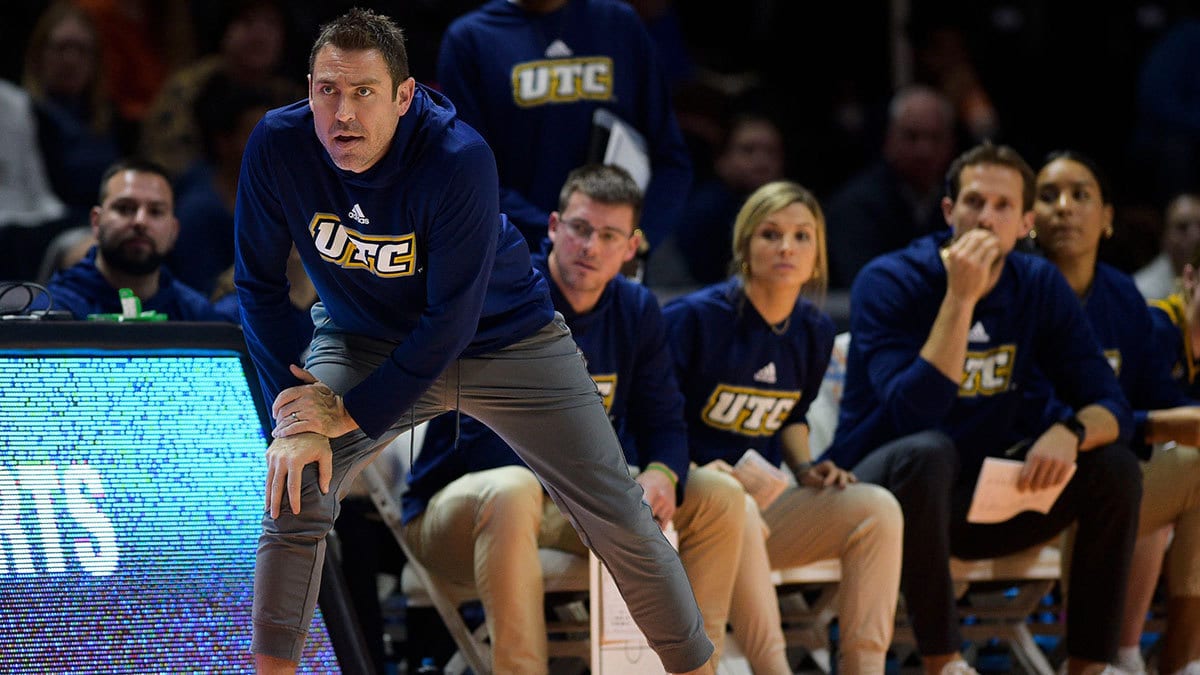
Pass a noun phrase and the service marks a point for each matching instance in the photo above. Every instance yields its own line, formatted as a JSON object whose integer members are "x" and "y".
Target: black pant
{"x": 922, "y": 471}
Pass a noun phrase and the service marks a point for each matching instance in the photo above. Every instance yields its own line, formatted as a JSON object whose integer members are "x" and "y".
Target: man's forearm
{"x": 946, "y": 346}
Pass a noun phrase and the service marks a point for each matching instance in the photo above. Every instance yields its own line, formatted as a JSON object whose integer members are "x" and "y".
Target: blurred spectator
{"x": 135, "y": 228}
{"x": 253, "y": 37}
{"x": 225, "y": 113}
{"x": 942, "y": 59}
{"x": 68, "y": 248}
{"x": 25, "y": 195}
{"x": 897, "y": 198}
{"x": 529, "y": 74}
{"x": 1181, "y": 236}
{"x": 662, "y": 24}
{"x": 1167, "y": 135}
{"x": 30, "y": 214}
{"x": 141, "y": 41}
{"x": 751, "y": 156}
{"x": 76, "y": 128}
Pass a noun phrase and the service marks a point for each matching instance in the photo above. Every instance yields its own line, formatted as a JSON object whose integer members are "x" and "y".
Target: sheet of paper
{"x": 763, "y": 480}
{"x": 997, "y": 498}
{"x": 627, "y": 150}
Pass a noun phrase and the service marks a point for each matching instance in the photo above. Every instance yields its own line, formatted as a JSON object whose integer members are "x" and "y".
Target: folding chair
{"x": 562, "y": 572}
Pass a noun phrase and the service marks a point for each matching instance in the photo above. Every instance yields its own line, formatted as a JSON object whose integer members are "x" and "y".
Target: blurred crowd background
{"x": 1119, "y": 81}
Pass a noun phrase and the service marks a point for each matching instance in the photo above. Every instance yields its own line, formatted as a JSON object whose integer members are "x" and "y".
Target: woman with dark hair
{"x": 1073, "y": 214}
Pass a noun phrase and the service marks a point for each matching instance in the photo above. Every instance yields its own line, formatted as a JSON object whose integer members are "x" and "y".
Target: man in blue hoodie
{"x": 475, "y": 514}
{"x": 428, "y": 304}
{"x": 135, "y": 229}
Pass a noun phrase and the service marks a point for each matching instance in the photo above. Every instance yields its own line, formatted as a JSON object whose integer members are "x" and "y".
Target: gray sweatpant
{"x": 538, "y": 396}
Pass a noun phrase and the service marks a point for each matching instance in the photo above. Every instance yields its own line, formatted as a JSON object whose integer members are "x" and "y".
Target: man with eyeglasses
{"x": 474, "y": 513}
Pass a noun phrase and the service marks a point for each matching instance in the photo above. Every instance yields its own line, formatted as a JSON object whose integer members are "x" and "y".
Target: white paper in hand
{"x": 996, "y": 495}
{"x": 763, "y": 480}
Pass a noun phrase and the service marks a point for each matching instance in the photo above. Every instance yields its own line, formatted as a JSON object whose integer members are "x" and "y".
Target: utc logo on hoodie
{"x": 562, "y": 80}
{"x": 382, "y": 255}
{"x": 749, "y": 411}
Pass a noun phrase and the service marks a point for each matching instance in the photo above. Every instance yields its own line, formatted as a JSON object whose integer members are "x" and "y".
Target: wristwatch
{"x": 1076, "y": 427}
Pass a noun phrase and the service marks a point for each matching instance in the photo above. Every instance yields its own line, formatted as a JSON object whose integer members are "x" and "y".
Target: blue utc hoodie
{"x": 413, "y": 250}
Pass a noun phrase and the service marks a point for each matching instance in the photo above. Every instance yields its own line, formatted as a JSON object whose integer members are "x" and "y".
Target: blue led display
{"x": 131, "y": 492}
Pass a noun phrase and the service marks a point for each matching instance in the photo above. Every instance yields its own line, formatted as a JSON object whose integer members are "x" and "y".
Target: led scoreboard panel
{"x": 131, "y": 493}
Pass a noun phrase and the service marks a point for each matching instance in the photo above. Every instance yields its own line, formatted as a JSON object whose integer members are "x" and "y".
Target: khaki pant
{"x": 1171, "y": 496}
{"x": 862, "y": 526}
{"x": 485, "y": 529}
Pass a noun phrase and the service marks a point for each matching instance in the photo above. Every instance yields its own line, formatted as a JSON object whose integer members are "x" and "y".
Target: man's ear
{"x": 404, "y": 94}
{"x": 947, "y": 209}
{"x": 552, "y": 226}
{"x": 634, "y": 243}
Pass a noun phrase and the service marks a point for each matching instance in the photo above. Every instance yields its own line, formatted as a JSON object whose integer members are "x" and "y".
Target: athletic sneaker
{"x": 958, "y": 667}
{"x": 1129, "y": 661}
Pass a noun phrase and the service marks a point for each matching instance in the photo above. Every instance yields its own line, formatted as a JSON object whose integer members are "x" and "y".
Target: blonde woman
{"x": 750, "y": 353}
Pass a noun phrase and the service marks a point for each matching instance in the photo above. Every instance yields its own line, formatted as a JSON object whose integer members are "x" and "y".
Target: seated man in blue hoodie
{"x": 135, "y": 229}
{"x": 475, "y": 514}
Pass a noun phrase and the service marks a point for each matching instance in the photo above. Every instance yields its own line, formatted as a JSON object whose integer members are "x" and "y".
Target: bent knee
{"x": 508, "y": 492}
{"x": 879, "y": 507}
{"x": 715, "y": 492}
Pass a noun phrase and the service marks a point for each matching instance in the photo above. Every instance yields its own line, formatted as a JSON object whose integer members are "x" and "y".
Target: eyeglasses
{"x": 606, "y": 237}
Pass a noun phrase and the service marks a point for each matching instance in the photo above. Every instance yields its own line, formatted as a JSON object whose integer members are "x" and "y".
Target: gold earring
{"x": 745, "y": 268}
{"x": 1108, "y": 232}
{"x": 1032, "y": 235}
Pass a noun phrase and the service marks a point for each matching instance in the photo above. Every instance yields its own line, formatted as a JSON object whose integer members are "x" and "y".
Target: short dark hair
{"x": 1090, "y": 164}
{"x": 362, "y": 29}
{"x": 999, "y": 155}
{"x": 606, "y": 184}
{"x": 136, "y": 164}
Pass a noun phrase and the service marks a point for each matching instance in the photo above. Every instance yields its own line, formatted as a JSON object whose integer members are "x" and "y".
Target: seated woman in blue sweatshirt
{"x": 750, "y": 353}
{"x": 1073, "y": 213}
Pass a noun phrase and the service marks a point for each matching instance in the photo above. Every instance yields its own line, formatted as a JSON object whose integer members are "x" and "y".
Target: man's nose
{"x": 345, "y": 109}
{"x": 141, "y": 216}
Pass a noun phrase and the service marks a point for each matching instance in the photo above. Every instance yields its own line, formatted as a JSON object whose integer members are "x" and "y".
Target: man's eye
{"x": 363, "y": 91}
